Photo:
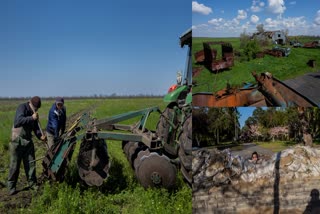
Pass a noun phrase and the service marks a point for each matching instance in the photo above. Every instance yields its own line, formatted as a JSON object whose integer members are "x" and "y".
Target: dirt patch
{"x": 22, "y": 199}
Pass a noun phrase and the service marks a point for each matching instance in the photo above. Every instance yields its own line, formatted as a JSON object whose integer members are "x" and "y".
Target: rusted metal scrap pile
{"x": 208, "y": 56}
{"x": 214, "y": 168}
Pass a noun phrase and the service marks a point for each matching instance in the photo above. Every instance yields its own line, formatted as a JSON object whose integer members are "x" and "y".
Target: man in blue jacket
{"x": 21, "y": 146}
{"x": 56, "y": 121}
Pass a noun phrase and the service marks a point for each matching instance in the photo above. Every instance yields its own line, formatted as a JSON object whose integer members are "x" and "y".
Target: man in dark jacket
{"x": 21, "y": 146}
{"x": 56, "y": 121}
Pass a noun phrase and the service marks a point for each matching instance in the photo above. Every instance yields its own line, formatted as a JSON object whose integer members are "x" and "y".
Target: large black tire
{"x": 185, "y": 149}
{"x": 163, "y": 130}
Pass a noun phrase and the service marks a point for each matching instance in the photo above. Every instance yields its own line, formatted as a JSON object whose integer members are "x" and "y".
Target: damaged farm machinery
{"x": 155, "y": 156}
{"x": 268, "y": 91}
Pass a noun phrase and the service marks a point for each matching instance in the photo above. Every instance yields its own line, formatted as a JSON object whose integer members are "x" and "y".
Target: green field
{"x": 120, "y": 193}
{"x": 282, "y": 68}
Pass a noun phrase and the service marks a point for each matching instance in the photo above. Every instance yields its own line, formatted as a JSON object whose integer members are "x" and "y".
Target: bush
{"x": 244, "y": 39}
{"x": 252, "y": 49}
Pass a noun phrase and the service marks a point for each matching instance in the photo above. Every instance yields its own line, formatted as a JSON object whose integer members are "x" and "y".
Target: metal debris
{"x": 214, "y": 168}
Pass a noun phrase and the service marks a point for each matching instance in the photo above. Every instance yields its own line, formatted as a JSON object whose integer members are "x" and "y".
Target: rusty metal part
{"x": 313, "y": 44}
{"x": 275, "y": 53}
{"x": 93, "y": 161}
{"x": 196, "y": 71}
{"x": 267, "y": 88}
{"x": 240, "y": 97}
{"x": 289, "y": 95}
{"x": 156, "y": 170}
{"x": 199, "y": 56}
{"x": 208, "y": 56}
{"x": 268, "y": 92}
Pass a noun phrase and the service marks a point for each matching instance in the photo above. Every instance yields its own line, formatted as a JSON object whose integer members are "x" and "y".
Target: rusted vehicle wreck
{"x": 208, "y": 56}
{"x": 268, "y": 91}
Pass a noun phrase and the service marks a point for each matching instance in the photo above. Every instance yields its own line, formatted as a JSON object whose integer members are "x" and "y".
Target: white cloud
{"x": 235, "y": 22}
{"x": 241, "y": 14}
{"x": 216, "y": 22}
{"x": 276, "y": 6}
{"x": 200, "y": 8}
{"x": 293, "y": 23}
{"x": 317, "y": 18}
{"x": 257, "y": 6}
{"x": 194, "y": 27}
{"x": 255, "y": 9}
{"x": 254, "y": 19}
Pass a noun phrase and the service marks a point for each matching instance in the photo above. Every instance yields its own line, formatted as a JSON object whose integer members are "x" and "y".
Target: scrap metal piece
{"x": 268, "y": 91}
{"x": 265, "y": 82}
{"x": 208, "y": 56}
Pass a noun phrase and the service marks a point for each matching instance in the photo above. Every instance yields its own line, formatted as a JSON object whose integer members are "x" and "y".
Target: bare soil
{"x": 22, "y": 199}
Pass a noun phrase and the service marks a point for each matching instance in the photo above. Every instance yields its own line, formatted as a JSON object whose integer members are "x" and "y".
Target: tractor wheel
{"x": 163, "y": 125}
{"x": 185, "y": 149}
{"x": 163, "y": 130}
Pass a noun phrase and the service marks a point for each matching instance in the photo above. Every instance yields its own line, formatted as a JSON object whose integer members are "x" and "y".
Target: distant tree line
{"x": 95, "y": 96}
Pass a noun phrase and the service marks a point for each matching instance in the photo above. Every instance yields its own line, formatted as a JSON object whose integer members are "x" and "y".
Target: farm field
{"x": 120, "y": 193}
{"x": 282, "y": 68}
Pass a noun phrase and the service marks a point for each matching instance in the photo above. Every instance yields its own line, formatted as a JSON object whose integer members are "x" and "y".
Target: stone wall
{"x": 266, "y": 196}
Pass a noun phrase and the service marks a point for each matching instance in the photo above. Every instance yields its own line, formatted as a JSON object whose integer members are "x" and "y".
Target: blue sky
{"x": 229, "y": 18}
{"x": 81, "y": 47}
{"x": 245, "y": 112}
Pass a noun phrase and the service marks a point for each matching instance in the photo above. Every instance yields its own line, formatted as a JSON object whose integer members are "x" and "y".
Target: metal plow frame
{"x": 92, "y": 131}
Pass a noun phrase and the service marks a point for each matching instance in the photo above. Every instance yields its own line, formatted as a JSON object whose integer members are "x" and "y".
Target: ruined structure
{"x": 284, "y": 182}
{"x": 277, "y": 37}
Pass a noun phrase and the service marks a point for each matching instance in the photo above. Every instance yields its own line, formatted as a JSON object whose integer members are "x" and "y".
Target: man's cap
{"x": 36, "y": 101}
{"x": 59, "y": 100}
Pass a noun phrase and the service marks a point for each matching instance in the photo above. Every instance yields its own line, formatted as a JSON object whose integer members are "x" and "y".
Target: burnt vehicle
{"x": 314, "y": 44}
{"x": 278, "y": 51}
{"x": 209, "y": 56}
{"x": 267, "y": 91}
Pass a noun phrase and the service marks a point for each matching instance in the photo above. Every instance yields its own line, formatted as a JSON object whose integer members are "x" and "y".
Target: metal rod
{"x": 39, "y": 125}
{"x": 37, "y": 159}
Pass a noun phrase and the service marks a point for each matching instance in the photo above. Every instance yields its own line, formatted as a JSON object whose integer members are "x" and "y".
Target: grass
{"x": 120, "y": 193}
{"x": 282, "y": 68}
{"x": 275, "y": 146}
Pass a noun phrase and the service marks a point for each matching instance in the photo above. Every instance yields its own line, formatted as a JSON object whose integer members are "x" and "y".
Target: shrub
{"x": 251, "y": 49}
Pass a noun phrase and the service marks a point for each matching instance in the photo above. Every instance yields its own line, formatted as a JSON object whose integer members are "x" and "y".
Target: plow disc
{"x": 93, "y": 162}
{"x": 155, "y": 170}
{"x": 151, "y": 169}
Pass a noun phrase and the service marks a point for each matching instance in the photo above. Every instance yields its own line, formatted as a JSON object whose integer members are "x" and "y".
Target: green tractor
{"x": 175, "y": 125}
{"x": 154, "y": 155}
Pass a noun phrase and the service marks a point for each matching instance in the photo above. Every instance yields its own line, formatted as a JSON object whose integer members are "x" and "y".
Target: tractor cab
{"x": 181, "y": 91}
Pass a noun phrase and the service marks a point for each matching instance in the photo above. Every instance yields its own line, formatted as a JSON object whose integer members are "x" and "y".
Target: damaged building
{"x": 277, "y": 37}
